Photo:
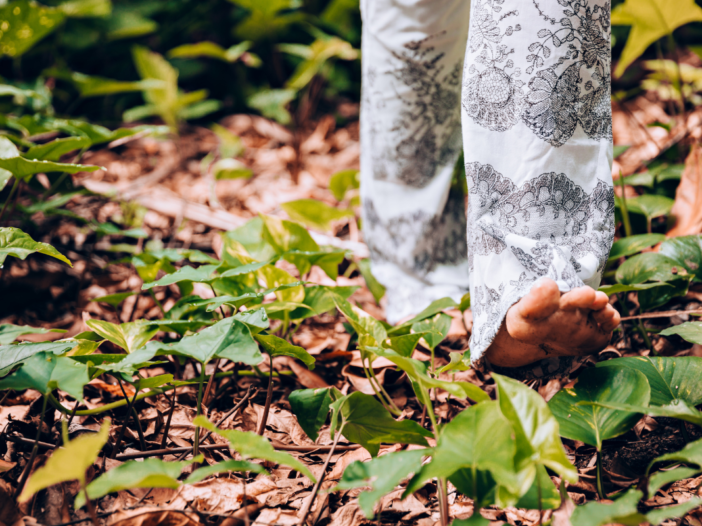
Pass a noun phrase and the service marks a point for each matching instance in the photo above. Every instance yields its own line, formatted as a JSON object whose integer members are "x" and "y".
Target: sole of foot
{"x": 547, "y": 323}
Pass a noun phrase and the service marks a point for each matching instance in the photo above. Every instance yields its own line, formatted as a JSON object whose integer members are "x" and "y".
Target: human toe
{"x": 541, "y": 301}
{"x": 601, "y": 301}
{"x": 580, "y": 298}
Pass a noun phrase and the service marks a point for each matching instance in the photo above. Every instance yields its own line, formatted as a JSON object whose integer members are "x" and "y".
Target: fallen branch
{"x": 662, "y": 314}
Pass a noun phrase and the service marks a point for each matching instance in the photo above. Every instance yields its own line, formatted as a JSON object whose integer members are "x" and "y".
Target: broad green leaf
{"x": 676, "y": 409}
{"x": 670, "y": 378}
{"x": 460, "y": 361}
{"x": 147, "y": 473}
{"x": 311, "y": 407}
{"x": 224, "y": 467}
{"x": 627, "y": 246}
{"x": 417, "y": 372}
{"x": 622, "y": 511}
{"x": 92, "y": 86}
{"x": 686, "y": 250}
{"x": 478, "y": 438}
{"x": 279, "y": 347}
{"x": 230, "y": 169}
{"x": 434, "y": 307}
{"x": 11, "y": 355}
{"x": 378, "y": 291}
{"x": 7, "y": 150}
{"x": 343, "y": 181}
{"x": 273, "y": 104}
{"x": 202, "y": 274}
{"x": 650, "y": 21}
{"x": 68, "y": 463}
{"x": 251, "y": 446}
{"x": 228, "y": 338}
{"x": 128, "y": 23}
{"x": 550, "y": 496}
{"x": 315, "y": 214}
{"x": 435, "y": 329}
{"x": 285, "y": 236}
{"x": 653, "y": 298}
{"x": 536, "y": 431}
{"x": 690, "y": 454}
{"x": 658, "y": 516}
{"x": 246, "y": 244}
{"x": 650, "y": 205}
{"x": 114, "y": 299}
{"x": 363, "y": 420}
{"x": 45, "y": 372}
{"x": 9, "y": 333}
{"x": 23, "y": 24}
{"x": 381, "y": 474}
{"x": 593, "y": 424}
{"x": 371, "y": 332}
{"x": 690, "y": 331}
{"x": 52, "y": 151}
{"x": 211, "y": 50}
{"x": 265, "y": 18}
{"x": 649, "y": 266}
{"x": 316, "y": 57}
{"x": 22, "y": 168}
{"x": 275, "y": 278}
{"x": 48, "y": 205}
{"x": 129, "y": 363}
{"x": 404, "y": 345}
{"x": 619, "y": 287}
{"x": 230, "y": 145}
{"x": 86, "y": 8}
{"x": 319, "y": 299}
{"x": 129, "y": 336}
{"x": 15, "y": 242}
{"x": 327, "y": 258}
{"x": 663, "y": 478}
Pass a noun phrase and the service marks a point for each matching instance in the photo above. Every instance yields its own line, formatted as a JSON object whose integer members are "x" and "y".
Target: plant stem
{"x": 124, "y": 424}
{"x": 91, "y": 507}
{"x": 538, "y": 494}
{"x": 269, "y": 399}
{"x": 164, "y": 442}
{"x": 9, "y": 197}
{"x": 443, "y": 502}
{"x": 683, "y": 432}
{"x": 600, "y": 491}
{"x": 135, "y": 417}
{"x": 380, "y": 398}
{"x": 647, "y": 340}
{"x": 35, "y": 450}
{"x": 208, "y": 389}
{"x": 625, "y": 211}
{"x": 393, "y": 408}
{"x": 318, "y": 484}
{"x": 196, "y": 443}
{"x": 158, "y": 303}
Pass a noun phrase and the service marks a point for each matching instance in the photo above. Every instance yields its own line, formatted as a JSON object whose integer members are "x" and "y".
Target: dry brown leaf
{"x": 220, "y": 495}
{"x": 411, "y": 507}
{"x": 687, "y": 210}
{"x": 276, "y": 516}
{"x": 112, "y": 389}
{"x": 14, "y": 412}
{"x": 153, "y": 517}
{"x": 307, "y": 378}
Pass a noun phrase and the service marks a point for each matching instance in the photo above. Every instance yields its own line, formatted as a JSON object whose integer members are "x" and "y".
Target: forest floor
{"x": 179, "y": 206}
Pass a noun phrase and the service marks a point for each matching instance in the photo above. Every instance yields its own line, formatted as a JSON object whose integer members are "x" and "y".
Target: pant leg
{"x": 537, "y": 135}
{"x": 413, "y": 222}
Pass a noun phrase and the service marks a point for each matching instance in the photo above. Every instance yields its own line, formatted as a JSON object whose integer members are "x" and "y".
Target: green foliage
{"x": 44, "y": 372}
{"x": 279, "y": 347}
{"x": 14, "y": 242}
{"x": 378, "y": 291}
{"x": 363, "y": 420}
{"x": 9, "y": 333}
{"x": 311, "y": 407}
{"x": 68, "y": 463}
{"x": 315, "y": 214}
{"x": 129, "y": 336}
{"x": 24, "y": 23}
{"x": 11, "y": 355}
{"x": 593, "y": 424}
{"x": 628, "y": 246}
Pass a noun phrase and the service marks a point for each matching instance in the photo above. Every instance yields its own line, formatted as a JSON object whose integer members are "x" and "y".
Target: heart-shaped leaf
{"x": 129, "y": 336}
{"x": 663, "y": 478}
{"x": 593, "y": 424}
{"x": 629, "y": 245}
{"x": 249, "y": 445}
{"x": 315, "y": 214}
{"x": 45, "y": 372}
{"x": 26, "y": 23}
{"x": 9, "y": 333}
{"x": 650, "y": 266}
{"x": 363, "y": 420}
{"x": 622, "y": 511}
{"x": 201, "y": 274}
{"x": 224, "y": 467}
{"x": 11, "y": 355}
{"x": 670, "y": 378}
{"x": 381, "y": 474}
{"x": 311, "y": 407}
{"x": 435, "y": 329}
{"x": 690, "y": 331}
{"x": 279, "y": 347}
{"x": 15, "y": 242}
{"x": 686, "y": 250}
{"x": 52, "y": 151}
{"x": 650, "y": 205}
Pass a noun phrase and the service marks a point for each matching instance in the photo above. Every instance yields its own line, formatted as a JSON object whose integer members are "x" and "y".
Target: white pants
{"x": 524, "y": 87}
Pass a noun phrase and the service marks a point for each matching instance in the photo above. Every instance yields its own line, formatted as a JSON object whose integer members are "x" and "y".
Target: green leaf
{"x": 230, "y": 169}
{"x": 434, "y": 307}
{"x": 619, "y": 287}
{"x": 622, "y": 511}
{"x": 658, "y": 516}
{"x": 690, "y": 331}
{"x": 129, "y": 336}
{"x": 201, "y": 274}
{"x": 650, "y": 205}
{"x": 478, "y": 438}
{"x": 316, "y": 56}
{"x": 86, "y": 8}
{"x": 686, "y": 250}
{"x": 9, "y": 333}
{"x": 690, "y": 454}
{"x": 68, "y": 463}
{"x": 670, "y": 378}
{"x": 114, "y": 299}
{"x": 435, "y": 329}
{"x": 230, "y": 145}
{"x": 311, "y": 407}
{"x": 228, "y": 338}
{"x": 273, "y": 104}
{"x": 627, "y": 246}
{"x": 127, "y": 23}
{"x": 276, "y": 278}
{"x": 650, "y": 299}
{"x": 663, "y": 478}
{"x": 147, "y": 473}
{"x": 249, "y": 445}
{"x": 285, "y": 236}
{"x": 676, "y": 409}
{"x": 365, "y": 421}
{"x": 536, "y": 431}
{"x": 224, "y": 467}
{"x": 315, "y": 214}
{"x": 381, "y": 474}
{"x": 279, "y": 347}
{"x": 460, "y": 361}
{"x": 474, "y": 520}
{"x": 550, "y": 496}
{"x": 650, "y": 21}
{"x": 52, "y": 151}
{"x": 22, "y": 168}
{"x": 25, "y": 23}
{"x": 649, "y": 266}
{"x": 15, "y": 242}
{"x": 343, "y": 181}
{"x": 404, "y": 345}
{"x": 201, "y": 49}
{"x": 371, "y": 332}
{"x": 593, "y": 424}
{"x": 378, "y": 291}
{"x": 44, "y": 372}
{"x": 11, "y": 355}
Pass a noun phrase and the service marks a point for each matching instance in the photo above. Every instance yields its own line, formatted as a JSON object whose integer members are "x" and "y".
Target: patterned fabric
{"x": 528, "y": 83}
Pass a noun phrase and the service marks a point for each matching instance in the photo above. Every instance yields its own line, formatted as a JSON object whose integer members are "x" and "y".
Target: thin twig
{"x": 35, "y": 449}
{"x": 208, "y": 389}
{"x": 318, "y": 484}
{"x": 662, "y": 314}
{"x": 135, "y": 417}
{"x": 124, "y": 425}
{"x": 91, "y": 506}
{"x": 164, "y": 442}
{"x": 269, "y": 399}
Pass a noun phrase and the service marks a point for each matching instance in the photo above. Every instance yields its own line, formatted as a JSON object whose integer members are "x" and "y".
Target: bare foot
{"x": 546, "y": 323}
